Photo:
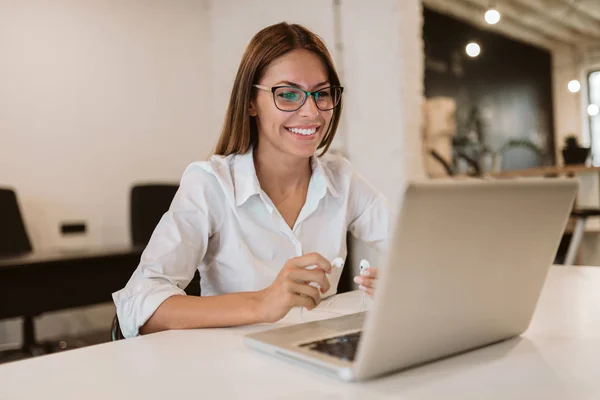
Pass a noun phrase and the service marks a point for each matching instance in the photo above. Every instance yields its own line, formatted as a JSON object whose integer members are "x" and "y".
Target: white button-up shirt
{"x": 222, "y": 223}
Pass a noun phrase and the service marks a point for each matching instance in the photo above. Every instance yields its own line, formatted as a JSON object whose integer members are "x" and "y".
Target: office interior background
{"x": 98, "y": 96}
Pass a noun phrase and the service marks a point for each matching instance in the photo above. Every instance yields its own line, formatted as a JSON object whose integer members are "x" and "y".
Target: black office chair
{"x": 148, "y": 204}
{"x": 14, "y": 241}
{"x": 474, "y": 168}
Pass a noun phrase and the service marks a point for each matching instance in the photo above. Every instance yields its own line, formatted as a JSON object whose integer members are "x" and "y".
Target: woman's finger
{"x": 310, "y": 260}
{"x": 369, "y": 291}
{"x": 316, "y": 276}
{"x": 370, "y": 272}
{"x": 366, "y": 282}
{"x": 308, "y": 291}
{"x": 304, "y": 301}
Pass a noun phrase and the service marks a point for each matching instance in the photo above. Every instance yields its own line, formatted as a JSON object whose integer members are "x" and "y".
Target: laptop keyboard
{"x": 343, "y": 346}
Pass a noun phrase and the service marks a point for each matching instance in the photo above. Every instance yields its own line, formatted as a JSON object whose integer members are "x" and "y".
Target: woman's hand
{"x": 291, "y": 287}
{"x": 367, "y": 280}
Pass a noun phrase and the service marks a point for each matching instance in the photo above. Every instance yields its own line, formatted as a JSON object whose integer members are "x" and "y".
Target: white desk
{"x": 557, "y": 358}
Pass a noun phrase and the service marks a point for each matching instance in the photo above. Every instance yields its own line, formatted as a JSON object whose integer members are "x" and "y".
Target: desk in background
{"x": 49, "y": 281}
{"x": 588, "y": 195}
{"x": 557, "y": 358}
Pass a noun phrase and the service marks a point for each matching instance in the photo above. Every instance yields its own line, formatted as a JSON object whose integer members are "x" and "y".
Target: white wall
{"x": 96, "y": 95}
{"x": 99, "y": 94}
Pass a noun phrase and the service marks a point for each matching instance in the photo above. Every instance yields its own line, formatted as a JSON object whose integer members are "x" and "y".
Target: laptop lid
{"x": 465, "y": 267}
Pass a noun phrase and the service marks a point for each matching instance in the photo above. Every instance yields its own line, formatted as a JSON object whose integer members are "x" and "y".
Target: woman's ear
{"x": 252, "y": 110}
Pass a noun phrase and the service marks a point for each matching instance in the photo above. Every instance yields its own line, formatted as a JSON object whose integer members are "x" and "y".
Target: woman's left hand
{"x": 367, "y": 280}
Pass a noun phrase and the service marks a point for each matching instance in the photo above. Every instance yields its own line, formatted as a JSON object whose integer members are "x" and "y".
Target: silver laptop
{"x": 466, "y": 265}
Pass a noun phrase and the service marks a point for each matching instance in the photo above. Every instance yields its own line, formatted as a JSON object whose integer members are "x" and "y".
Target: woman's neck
{"x": 279, "y": 174}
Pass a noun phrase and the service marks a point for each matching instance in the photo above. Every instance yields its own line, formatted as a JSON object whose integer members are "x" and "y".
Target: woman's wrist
{"x": 257, "y": 306}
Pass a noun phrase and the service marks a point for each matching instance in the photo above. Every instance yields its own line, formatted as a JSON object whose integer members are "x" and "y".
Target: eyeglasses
{"x": 290, "y": 98}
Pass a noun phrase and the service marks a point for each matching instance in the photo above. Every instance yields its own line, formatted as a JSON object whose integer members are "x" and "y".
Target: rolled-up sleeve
{"x": 369, "y": 214}
{"x": 170, "y": 259}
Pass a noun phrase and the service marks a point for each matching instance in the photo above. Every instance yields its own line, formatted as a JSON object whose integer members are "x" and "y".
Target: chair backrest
{"x": 13, "y": 235}
{"x": 148, "y": 204}
{"x": 520, "y": 154}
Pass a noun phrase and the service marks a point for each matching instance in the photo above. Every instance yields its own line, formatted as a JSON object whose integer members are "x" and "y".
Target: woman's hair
{"x": 239, "y": 132}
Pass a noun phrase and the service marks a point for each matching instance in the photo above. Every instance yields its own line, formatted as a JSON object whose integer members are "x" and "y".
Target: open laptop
{"x": 466, "y": 264}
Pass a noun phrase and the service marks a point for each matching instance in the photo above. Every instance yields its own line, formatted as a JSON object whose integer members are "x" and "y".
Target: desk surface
{"x": 48, "y": 256}
{"x": 546, "y": 171}
{"x": 557, "y": 358}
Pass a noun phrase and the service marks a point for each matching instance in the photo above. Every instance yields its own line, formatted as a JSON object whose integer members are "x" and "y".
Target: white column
{"x": 382, "y": 53}
{"x": 383, "y": 71}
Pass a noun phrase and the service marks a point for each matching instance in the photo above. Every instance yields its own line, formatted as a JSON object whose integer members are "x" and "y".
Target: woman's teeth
{"x": 306, "y": 132}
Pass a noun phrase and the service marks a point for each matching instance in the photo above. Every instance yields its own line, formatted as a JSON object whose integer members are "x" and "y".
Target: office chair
{"x": 580, "y": 215}
{"x": 148, "y": 204}
{"x": 474, "y": 168}
{"x": 14, "y": 241}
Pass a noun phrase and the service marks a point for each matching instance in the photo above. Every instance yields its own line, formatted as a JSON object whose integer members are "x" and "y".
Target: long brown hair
{"x": 239, "y": 129}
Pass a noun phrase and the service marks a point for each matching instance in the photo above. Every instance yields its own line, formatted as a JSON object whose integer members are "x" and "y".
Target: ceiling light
{"x": 473, "y": 49}
{"x": 574, "y": 86}
{"x": 492, "y": 16}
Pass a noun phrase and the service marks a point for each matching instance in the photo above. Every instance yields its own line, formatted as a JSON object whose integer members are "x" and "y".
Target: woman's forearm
{"x": 193, "y": 312}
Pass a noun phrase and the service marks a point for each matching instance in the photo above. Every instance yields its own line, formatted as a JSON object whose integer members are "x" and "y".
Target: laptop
{"x": 465, "y": 267}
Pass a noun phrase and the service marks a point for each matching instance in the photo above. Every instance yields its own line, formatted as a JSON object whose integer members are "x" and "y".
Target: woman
{"x": 264, "y": 207}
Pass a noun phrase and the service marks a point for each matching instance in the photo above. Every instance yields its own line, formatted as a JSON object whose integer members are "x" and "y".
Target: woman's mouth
{"x": 307, "y": 132}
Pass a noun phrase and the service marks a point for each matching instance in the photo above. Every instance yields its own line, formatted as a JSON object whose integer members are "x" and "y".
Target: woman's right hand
{"x": 291, "y": 287}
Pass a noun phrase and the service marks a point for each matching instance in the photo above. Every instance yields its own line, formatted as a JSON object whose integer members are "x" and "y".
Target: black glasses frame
{"x": 314, "y": 95}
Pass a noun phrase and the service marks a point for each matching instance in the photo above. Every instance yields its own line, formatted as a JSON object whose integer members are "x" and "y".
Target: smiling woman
{"x": 265, "y": 207}
{"x": 292, "y": 64}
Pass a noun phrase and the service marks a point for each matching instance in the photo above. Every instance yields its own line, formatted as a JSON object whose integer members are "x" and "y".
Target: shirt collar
{"x": 322, "y": 175}
{"x": 246, "y": 182}
{"x": 244, "y": 178}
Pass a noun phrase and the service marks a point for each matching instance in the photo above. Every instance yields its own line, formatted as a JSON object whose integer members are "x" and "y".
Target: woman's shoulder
{"x": 213, "y": 168}
{"x": 211, "y": 178}
{"x": 345, "y": 177}
{"x": 336, "y": 164}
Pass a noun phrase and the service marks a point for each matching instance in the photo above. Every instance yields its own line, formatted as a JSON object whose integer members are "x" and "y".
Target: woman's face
{"x": 297, "y": 133}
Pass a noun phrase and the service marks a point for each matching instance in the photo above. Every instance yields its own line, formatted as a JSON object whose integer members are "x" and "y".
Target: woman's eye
{"x": 289, "y": 96}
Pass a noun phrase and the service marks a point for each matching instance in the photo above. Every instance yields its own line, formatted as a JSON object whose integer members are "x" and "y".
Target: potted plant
{"x": 573, "y": 153}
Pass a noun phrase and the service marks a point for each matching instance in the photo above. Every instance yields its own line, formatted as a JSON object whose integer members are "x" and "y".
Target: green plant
{"x": 571, "y": 141}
